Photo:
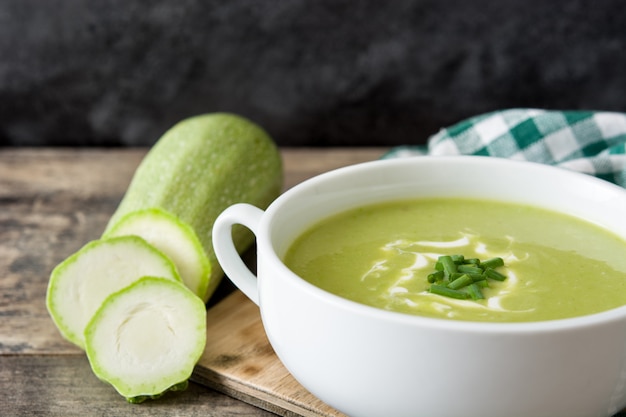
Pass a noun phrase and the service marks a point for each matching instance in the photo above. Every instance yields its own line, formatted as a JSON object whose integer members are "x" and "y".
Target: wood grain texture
{"x": 64, "y": 386}
{"x": 52, "y": 202}
{"x": 240, "y": 361}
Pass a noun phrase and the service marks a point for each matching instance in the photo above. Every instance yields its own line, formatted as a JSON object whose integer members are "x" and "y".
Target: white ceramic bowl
{"x": 365, "y": 361}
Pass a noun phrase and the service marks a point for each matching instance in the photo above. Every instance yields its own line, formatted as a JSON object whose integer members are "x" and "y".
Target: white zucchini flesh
{"x": 80, "y": 284}
{"x": 175, "y": 239}
{"x": 147, "y": 338}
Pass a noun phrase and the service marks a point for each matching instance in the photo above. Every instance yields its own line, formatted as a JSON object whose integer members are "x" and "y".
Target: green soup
{"x": 557, "y": 266}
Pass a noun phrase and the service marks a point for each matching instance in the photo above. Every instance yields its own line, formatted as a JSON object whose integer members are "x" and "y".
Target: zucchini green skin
{"x": 198, "y": 168}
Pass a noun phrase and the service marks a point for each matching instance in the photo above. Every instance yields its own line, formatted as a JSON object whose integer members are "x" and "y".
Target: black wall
{"x": 312, "y": 72}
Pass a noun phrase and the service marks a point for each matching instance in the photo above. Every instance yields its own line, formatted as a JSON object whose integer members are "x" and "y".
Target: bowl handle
{"x": 227, "y": 255}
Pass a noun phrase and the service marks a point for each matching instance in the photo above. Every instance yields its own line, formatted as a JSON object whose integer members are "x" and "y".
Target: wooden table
{"x": 53, "y": 201}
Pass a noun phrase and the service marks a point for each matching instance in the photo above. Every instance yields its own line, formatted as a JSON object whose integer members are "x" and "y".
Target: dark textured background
{"x": 312, "y": 72}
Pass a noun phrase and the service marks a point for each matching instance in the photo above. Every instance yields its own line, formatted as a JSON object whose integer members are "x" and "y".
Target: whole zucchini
{"x": 195, "y": 170}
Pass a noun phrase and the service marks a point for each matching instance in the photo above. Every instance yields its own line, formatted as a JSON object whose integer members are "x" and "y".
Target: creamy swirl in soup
{"x": 557, "y": 266}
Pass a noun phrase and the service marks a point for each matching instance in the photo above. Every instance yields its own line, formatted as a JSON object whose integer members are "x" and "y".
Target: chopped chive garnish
{"x": 482, "y": 284}
{"x": 462, "y": 281}
{"x": 458, "y": 277}
{"x": 492, "y": 263}
{"x": 455, "y": 275}
{"x": 448, "y": 292}
{"x": 457, "y": 259}
{"x": 493, "y": 274}
{"x": 435, "y": 276}
{"x": 477, "y": 277}
{"x": 475, "y": 292}
{"x": 448, "y": 264}
{"x": 469, "y": 269}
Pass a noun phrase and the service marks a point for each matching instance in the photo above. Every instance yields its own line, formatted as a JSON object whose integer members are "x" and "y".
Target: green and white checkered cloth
{"x": 592, "y": 142}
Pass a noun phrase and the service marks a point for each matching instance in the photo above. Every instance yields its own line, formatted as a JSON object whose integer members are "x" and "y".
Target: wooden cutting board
{"x": 239, "y": 361}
